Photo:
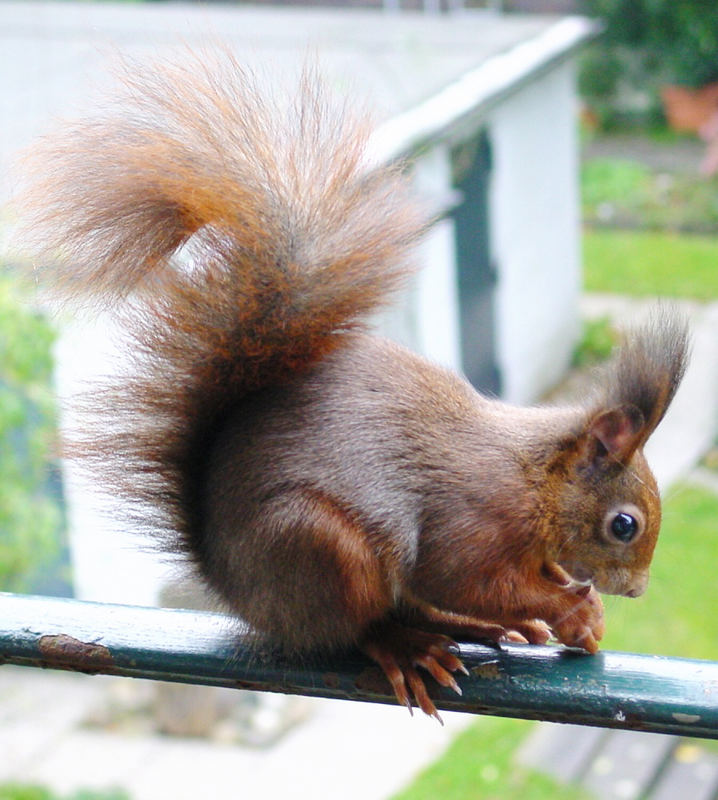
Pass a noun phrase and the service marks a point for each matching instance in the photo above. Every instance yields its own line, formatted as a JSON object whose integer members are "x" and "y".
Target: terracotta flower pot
{"x": 689, "y": 109}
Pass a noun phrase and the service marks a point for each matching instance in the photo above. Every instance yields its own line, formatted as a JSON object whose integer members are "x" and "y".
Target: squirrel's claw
{"x": 393, "y": 672}
{"x": 399, "y": 650}
{"x": 533, "y": 631}
{"x": 554, "y": 572}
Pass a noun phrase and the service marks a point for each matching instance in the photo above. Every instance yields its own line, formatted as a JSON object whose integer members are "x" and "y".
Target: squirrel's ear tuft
{"x": 617, "y": 433}
{"x": 647, "y": 372}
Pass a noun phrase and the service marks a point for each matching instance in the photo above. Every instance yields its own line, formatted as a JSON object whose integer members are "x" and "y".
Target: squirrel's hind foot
{"x": 400, "y": 650}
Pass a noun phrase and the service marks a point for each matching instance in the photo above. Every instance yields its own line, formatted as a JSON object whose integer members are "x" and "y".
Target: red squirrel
{"x": 332, "y": 488}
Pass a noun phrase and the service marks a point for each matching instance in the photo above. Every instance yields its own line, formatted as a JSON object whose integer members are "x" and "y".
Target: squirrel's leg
{"x": 304, "y": 574}
{"x": 330, "y": 589}
{"x": 315, "y": 584}
{"x": 461, "y": 626}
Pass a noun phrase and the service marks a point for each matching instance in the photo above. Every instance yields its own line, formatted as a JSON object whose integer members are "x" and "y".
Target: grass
{"x": 21, "y": 791}
{"x": 675, "y": 617}
{"x": 479, "y": 764}
{"x": 598, "y": 339}
{"x": 644, "y": 253}
{"x": 629, "y": 194}
{"x": 650, "y": 263}
{"x": 604, "y": 181}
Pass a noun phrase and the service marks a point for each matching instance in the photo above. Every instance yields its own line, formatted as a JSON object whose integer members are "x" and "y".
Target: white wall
{"x": 535, "y": 232}
{"x": 426, "y": 316}
{"x": 535, "y": 243}
{"x": 109, "y": 563}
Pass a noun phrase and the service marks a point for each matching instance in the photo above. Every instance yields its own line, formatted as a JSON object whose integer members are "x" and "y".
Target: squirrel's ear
{"x": 618, "y": 432}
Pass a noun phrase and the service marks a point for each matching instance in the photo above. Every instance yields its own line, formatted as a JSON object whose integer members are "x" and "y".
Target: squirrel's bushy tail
{"x": 237, "y": 238}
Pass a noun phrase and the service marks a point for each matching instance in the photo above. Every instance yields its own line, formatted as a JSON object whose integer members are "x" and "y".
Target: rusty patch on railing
{"x": 488, "y": 670}
{"x": 65, "y": 651}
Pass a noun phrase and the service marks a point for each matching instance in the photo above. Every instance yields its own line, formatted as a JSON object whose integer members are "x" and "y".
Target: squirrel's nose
{"x": 638, "y": 585}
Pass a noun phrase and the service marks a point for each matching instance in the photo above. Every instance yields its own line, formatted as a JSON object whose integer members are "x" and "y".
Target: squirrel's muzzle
{"x": 622, "y": 582}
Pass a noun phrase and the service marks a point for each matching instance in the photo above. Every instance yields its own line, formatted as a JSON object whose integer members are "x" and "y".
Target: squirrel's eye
{"x": 624, "y": 527}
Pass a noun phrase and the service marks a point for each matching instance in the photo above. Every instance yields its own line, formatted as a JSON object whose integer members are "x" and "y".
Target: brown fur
{"x": 326, "y": 483}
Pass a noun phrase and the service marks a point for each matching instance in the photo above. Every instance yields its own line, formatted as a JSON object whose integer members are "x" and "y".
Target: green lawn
{"x": 19, "y": 791}
{"x": 643, "y": 254}
{"x": 643, "y": 263}
{"x": 479, "y": 765}
{"x": 626, "y": 193}
{"x": 675, "y": 617}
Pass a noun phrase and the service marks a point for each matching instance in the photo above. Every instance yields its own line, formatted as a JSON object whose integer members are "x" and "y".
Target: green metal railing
{"x": 616, "y": 690}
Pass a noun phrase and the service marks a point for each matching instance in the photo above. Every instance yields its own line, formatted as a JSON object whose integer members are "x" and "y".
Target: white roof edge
{"x": 468, "y": 98}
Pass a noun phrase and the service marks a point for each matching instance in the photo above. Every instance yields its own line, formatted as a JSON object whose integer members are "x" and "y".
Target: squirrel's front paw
{"x": 580, "y": 622}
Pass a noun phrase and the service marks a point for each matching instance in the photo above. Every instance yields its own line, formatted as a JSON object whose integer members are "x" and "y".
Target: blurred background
{"x": 570, "y": 149}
